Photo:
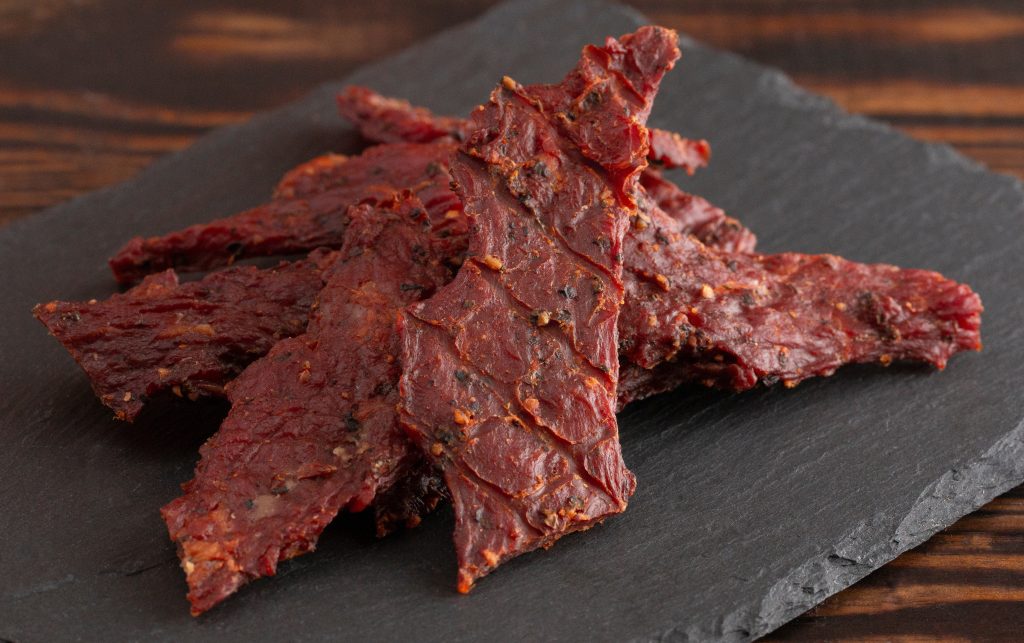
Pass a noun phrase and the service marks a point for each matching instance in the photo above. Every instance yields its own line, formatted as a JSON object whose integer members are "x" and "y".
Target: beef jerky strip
{"x": 733, "y": 320}
{"x": 292, "y": 225}
{"x": 670, "y": 150}
{"x": 509, "y": 372}
{"x": 695, "y": 216}
{"x": 382, "y": 119}
{"x": 312, "y": 427}
{"x": 190, "y": 338}
{"x": 308, "y": 211}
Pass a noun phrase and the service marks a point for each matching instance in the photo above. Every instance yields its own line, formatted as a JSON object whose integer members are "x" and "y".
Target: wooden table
{"x": 91, "y": 91}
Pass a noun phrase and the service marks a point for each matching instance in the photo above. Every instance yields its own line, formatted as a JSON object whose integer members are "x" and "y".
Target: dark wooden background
{"x": 91, "y": 91}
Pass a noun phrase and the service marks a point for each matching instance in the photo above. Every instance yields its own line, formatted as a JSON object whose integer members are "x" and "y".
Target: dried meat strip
{"x": 509, "y": 372}
{"x": 309, "y": 206}
{"x": 734, "y": 320}
{"x": 290, "y": 224}
{"x": 190, "y": 338}
{"x": 382, "y": 119}
{"x": 313, "y": 425}
{"x": 695, "y": 216}
{"x": 670, "y": 150}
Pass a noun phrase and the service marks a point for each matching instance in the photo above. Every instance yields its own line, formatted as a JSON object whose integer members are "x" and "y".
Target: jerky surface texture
{"x": 510, "y": 372}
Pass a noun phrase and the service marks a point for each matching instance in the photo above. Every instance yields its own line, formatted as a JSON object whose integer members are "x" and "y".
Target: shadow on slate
{"x": 750, "y": 509}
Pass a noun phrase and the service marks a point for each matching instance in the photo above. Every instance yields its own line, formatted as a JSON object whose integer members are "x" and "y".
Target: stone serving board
{"x": 751, "y": 508}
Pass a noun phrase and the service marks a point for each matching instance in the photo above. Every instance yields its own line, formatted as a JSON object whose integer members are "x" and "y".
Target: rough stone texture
{"x": 750, "y": 508}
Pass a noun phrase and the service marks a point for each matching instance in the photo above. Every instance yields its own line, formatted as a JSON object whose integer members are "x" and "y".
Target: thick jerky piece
{"x": 733, "y": 320}
{"x": 190, "y": 338}
{"x": 392, "y": 120}
{"x": 509, "y": 372}
{"x": 313, "y": 427}
{"x": 288, "y": 224}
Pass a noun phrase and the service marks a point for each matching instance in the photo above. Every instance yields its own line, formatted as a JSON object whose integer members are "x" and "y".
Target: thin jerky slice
{"x": 313, "y": 427}
{"x": 289, "y": 224}
{"x": 733, "y": 320}
{"x": 695, "y": 216}
{"x": 382, "y": 119}
{"x": 191, "y": 338}
{"x": 509, "y": 372}
{"x": 670, "y": 150}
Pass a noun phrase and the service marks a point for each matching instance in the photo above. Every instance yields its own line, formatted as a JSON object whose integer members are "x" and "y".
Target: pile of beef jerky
{"x": 478, "y": 299}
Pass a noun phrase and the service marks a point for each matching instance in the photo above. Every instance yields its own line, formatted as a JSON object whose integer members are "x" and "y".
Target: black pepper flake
{"x": 433, "y": 168}
{"x": 277, "y": 491}
{"x": 462, "y": 376}
{"x": 408, "y": 287}
{"x": 747, "y": 299}
{"x": 249, "y": 503}
{"x": 567, "y": 291}
{"x": 351, "y": 423}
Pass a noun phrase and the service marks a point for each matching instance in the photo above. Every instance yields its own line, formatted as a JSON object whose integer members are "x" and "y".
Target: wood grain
{"x": 91, "y": 91}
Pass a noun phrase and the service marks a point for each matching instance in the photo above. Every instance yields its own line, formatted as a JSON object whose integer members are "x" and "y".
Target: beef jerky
{"x": 382, "y": 119}
{"x": 509, "y": 372}
{"x": 310, "y": 202}
{"x": 191, "y": 338}
{"x": 734, "y": 320}
{"x": 292, "y": 224}
{"x": 695, "y": 216}
{"x": 312, "y": 428}
{"x": 391, "y": 120}
{"x": 670, "y": 150}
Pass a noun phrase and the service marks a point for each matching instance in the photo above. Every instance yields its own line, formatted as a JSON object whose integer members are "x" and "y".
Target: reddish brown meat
{"x": 312, "y": 427}
{"x": 733, "y": 320}
{"x": 382, "y": 119}
{"x": 670, "y": 150}
{"x": 392, "y": 120}
{"x": 695, "y": 216}
{"x": 389, "y": 120}
{"x": 190, "y": 338}
{"x": 293, "y": 223}
{"x": 509, "y": 372}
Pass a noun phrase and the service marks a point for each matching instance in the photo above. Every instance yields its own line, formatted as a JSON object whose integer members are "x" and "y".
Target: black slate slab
{"x": 751, "y": 508}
